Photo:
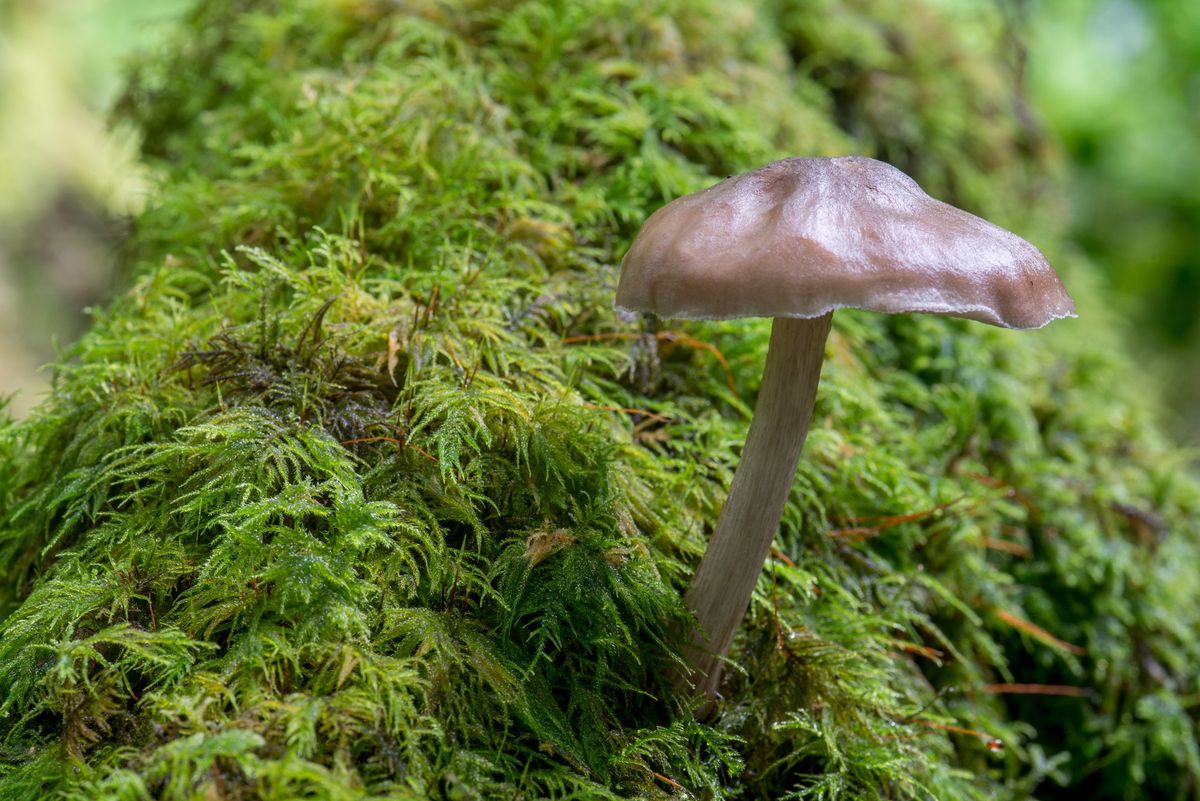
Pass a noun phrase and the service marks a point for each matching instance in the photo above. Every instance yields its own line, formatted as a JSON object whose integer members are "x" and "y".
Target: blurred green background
{"x": 69, "y": 183}
{"x": 1116, "y": 82}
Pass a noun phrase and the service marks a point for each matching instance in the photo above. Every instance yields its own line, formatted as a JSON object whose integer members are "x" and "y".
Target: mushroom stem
{"x": 724, "y": 582}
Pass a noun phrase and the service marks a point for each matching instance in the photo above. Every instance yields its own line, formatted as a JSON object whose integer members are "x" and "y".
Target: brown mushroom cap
{"x": 804, "y": 236}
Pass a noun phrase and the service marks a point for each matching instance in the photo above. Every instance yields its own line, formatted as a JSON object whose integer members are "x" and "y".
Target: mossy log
{"x": 360, "y": 489}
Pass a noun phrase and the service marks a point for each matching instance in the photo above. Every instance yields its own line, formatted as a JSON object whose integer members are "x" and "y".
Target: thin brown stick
{"x": 626, "y": 410}
{"x": 399, "y": 442}
{"x": 1039, "y": 633}
{"x": 996, "y": 483}
{"x": 661, "y": 777}
{"x": 932, "y": 654}
{"x": 1007, "y": 546}
{"x": 993, "y": 743}
{"x": 663, "y": 336}
{"x": 1036, "y": 689}
{"x": 782, "y": 557}
{"x": 890, "y": 521}
{"x": 780, "y": 640}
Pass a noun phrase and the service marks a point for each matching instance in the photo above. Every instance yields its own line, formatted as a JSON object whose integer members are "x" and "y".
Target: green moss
{"x": 362, "y": 490}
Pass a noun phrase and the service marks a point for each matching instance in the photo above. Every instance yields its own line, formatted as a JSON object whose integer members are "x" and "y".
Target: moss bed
{"x": 360, "y": 489}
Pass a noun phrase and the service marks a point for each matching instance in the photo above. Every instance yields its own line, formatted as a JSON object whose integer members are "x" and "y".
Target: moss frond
{"x": 362, "y": 490}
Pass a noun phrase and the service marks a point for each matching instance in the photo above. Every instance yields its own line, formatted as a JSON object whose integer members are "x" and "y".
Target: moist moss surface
{"x": 362, "y": 490}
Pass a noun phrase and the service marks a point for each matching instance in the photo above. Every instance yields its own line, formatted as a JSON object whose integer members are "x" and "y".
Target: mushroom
{"x": 795, "y": 240}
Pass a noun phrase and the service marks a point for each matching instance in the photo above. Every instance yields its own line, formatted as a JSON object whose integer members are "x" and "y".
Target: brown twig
{"x": 780, "y": 640}
{"x": 626, "y": 410}
{"x": 932, "y": 654}
{"x": 1039, "y": 633}
{"x": 1009, "y": 490}
{"x": 992, "y": 743}
{"x": 890, "y": 521}
{"x": 1036, "y": 689}
{"x": 782, "y": 557}
{"x": 399, "y": 442}
{"x": 663, "y": 336}
{"x": 661, "y": 777}
{"x": 1007, "y": 546}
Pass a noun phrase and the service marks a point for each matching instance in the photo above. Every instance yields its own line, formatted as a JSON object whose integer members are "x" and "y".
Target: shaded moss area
{"x": 362, "y": 490}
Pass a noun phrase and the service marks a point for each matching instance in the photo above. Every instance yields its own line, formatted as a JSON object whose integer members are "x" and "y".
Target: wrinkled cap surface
{"x": 804, "y": 236}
